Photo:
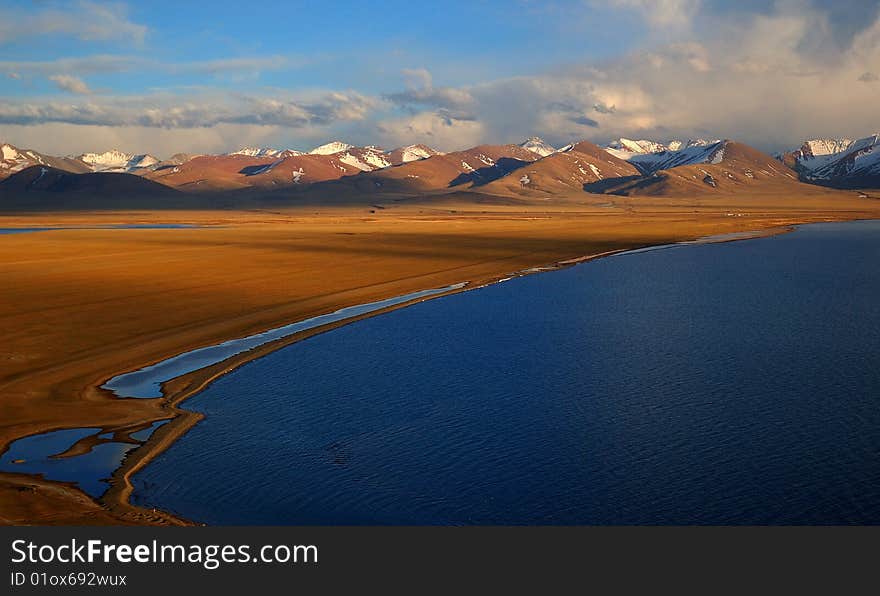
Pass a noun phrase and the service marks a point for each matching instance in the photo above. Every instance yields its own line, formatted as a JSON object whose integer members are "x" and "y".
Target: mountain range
{"x": 841, "y": 163}
{"x": 533, "y": 168}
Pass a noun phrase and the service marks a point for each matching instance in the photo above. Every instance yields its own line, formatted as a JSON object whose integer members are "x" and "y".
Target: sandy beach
{"x": 80, "y": 306}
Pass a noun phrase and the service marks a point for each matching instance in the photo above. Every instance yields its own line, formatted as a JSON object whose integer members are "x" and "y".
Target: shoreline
{"x": 177, "y": 390}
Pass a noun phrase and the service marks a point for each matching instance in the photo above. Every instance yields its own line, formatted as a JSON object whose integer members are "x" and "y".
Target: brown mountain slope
{"x": 307, "y": 168}
{"x": 229, "y": 172}
{"x": 13, "y": 159}
{"x": 582, "y": 167}
{"x": 456, "y": 170}
{"x": 175, "y": 160}
{"x": 46, "y": 188}
{"x": 208, "y": 172}
{"x": 738, "y": 169}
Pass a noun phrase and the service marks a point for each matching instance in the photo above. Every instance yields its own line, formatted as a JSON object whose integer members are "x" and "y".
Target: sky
{"x": 166, "y": 76}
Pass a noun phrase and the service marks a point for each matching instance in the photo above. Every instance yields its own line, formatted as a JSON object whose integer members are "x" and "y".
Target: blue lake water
{"x": 107, "y": 227}
{"x": 34, "y": 455}
{"x": 734, "y": 383}
{"x": 22, "y": 230}
{"x": 90, "y": 471}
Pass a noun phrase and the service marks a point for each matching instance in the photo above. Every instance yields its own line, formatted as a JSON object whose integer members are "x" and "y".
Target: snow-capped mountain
{"x": 819, "y": 147}
{"x": 256, "y": 152}
{"x": 365, "y": 159}
{"x": 721, "y": 167}
{"x": 647, "y": 166}
{"x": 651, "y": 156}
{"x": 117, "y": 161}
{"x": 539, "y": 146}
{"x": 624, "y": 148}
{"x": 579, "y": 167}
{"x": 839, "y": 162}
{"x": 109, "y": 160}
{"x": 331, "y": 148}
{"x": 411, "y": 153}
{"x": 265, "y": 152}
{"x": 13, "y": 159}
{"x": 142, "y": 161}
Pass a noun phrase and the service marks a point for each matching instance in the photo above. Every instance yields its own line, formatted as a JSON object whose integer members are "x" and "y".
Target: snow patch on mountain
{"x": 257, "y": 152}
{"x": 651, "y": 156}
{"x": 858, "y": 158}
{"x": 817, "y": 154}
{"x": 142, "y": 161}
{"x": 109, "y": 160}
{"x": 352, "y": 160}
{"x": 628, "y": 148}
{"x": 538, "y": 145}
{"x": 117, "y": 161}
{"x": 9, "y": 152}
{"x": 415, "y": 153}
{"x": 13, "y": 159}
{"x": 331, "y": 148}
{"x": 375, "y": 157}
{"x": 817, "y": 147}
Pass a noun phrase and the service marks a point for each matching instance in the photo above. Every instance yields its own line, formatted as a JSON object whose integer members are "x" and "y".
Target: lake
{"x": 732, "y": 383}
{"x": 107, "y": 227}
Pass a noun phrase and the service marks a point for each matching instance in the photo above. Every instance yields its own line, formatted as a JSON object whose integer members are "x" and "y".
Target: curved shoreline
{"x": 177, "y": 390}
{"x": 146, "y": 382}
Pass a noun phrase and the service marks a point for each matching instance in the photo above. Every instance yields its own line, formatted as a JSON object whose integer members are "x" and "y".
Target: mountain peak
{"x": 106, "y": 155}
{"x": 538, "y": 145}
{"x": 331, "y": 148}
{"x": 651, "y": 156}
{"x": 108, "y": 160}
{"x": 627, "y": 148}
{"x": 637, "y": 146}
{"x": 9, "y": 152}
{"x": 256, "y": 152}
{"x": 840, "y": 161}
{"x": 117, "y": 161}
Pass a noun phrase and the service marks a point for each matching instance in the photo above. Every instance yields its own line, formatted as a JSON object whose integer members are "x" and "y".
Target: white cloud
{"x": 771, "y": 80}
{"x": 420, "y": 91}
{"x": 118, "y": 63}
{"x": 164, "y": 111}
{"x": 663, "y": 13}
{"x": 85, "y": 20}
{"x": 71, "y": 139}
{"x": 438, "y": 129}
{"x": 71, "y": 84}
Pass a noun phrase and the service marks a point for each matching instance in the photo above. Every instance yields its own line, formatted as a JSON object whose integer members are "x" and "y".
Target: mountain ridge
{"x": 338, "y": 169}
{"x": 839, "y": 163}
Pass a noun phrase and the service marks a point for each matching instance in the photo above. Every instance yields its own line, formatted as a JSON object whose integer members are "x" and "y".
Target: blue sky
{"x": 77, "y": 75}
{"x": 343, "y": 44}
